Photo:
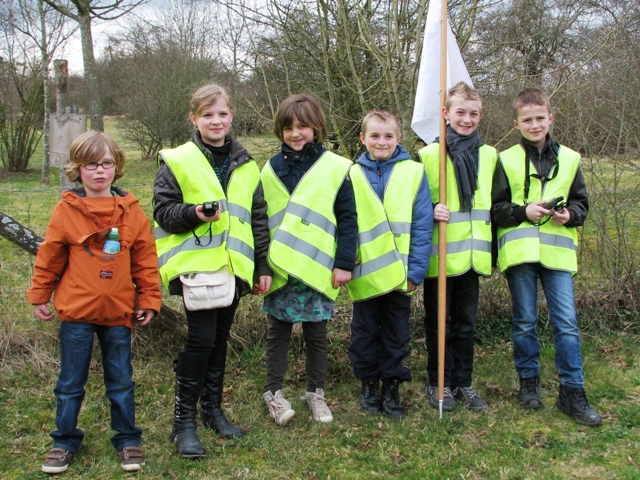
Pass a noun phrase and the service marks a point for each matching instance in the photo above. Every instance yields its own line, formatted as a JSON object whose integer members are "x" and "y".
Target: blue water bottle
{"x": 112, "y": 245}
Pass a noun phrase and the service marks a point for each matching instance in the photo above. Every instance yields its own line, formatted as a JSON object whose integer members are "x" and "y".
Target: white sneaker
{"x": 317, "y": 405}
{"x": 279, "y": 407}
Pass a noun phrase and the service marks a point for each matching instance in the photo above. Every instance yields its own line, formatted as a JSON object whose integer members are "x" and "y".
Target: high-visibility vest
{"x": 554, "y": 246}
{"x": 204, "y": 248}
{"x": 303, "y": 225}
{"x": 468, "y": 233}
{"x": 384, "y": 230}
{"x": 242, "y": 185}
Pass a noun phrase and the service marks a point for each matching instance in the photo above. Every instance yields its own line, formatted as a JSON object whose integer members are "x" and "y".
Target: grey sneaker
{"x": 470, "y": 398}
{"x": 448, "y": 403}
{"x": 279, "y": 407}
{"x": 317, "y": 405}
{"x": 57, "y": 460}
{"x": 131, "y": 458}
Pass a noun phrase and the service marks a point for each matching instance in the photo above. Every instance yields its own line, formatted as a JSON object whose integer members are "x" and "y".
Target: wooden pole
{"x": 442, "y": 226}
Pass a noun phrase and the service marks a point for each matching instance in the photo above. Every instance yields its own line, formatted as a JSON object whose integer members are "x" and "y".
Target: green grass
{"x": 505, "y": 442}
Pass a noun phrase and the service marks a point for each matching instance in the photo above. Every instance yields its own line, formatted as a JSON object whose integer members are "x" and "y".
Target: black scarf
{"x": 464, "y": 152}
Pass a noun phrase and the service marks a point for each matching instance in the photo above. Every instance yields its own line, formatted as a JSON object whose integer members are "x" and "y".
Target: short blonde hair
{"x": 463, "y": 91}
{"x": 307, "y": 110}
{"x": 383, "y": 115}
{"x": 530, "y": 96}
{"x": 206, "y": 96}
{"x": 89, "y": 147}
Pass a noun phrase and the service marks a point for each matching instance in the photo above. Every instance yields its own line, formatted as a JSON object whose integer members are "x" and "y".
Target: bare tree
{"x": 44, "y": 30}
{"x": 84, "y": 12}
{"x": 155, "y": 65}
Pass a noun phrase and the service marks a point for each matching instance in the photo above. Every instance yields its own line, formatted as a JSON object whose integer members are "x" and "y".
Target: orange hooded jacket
{"x": 91, "y": 286}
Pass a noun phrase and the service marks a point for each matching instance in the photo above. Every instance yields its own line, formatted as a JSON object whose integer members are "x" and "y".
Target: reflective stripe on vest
{"x": 381, "y": 269}
{"x": 552, "y": 245}
{"x": 182, "y": 253}
{"x": 303, "y": 225}
{"x": 468, "y": 233}
{"x": 242, "y": 185}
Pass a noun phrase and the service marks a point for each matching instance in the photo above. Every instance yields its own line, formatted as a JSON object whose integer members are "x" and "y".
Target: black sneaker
{"x": 573, "y": 401}
{"x": 57, "y": 460}
{"x": 470, "y": 398}
{"x": 131, "y": 458}
{"x": 529, "y": 395}
{"x": 448, "y": 403}
{"x": 370, "y": 400}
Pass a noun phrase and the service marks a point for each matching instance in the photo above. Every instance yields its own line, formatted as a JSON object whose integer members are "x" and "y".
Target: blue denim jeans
{"x": 76, "y": 342}
{"x": 558, "y": 291}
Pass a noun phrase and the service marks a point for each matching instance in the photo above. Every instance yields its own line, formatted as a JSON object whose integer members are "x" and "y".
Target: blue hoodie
{"x": 378, "y": 173}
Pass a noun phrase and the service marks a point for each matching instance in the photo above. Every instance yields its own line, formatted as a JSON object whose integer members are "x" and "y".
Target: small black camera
{"x": 555, "y": 204}
{"x": 209, "y": 209}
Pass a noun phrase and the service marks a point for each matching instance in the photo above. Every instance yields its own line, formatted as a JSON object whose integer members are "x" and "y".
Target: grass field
{"x": 505, "y": 442}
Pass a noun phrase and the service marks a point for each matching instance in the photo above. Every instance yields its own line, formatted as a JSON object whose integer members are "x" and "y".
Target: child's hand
{"x": 340, "y": 277}
{"x": 143, "y": 317}
{"x": 262, "y": 285}
{"x": 411, "y": 287}
{"x": 535, "y": 212}
{"x": 211, "y": 219}
{"x": 441, "y": 213}
{"x": 42, "y": 312}
{"x": 561, "y": 217}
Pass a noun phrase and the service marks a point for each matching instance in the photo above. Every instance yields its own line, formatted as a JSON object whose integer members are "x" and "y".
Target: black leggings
{"x": 208, "y": 333}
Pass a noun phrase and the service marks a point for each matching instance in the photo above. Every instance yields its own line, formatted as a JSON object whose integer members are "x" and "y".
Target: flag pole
{"x": 442, "y": 199}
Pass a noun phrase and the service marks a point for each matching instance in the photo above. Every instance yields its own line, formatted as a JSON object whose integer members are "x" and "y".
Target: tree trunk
{"x": 19, "y": 234}
{"x": 44, "y": 179}
{"x": 90, "y": 72}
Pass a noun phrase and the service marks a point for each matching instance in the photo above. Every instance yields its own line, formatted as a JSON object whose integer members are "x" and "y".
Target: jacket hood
{"x": 76, "y": 199}
{"x": 74, "y": 196}
{"x": 398, "y": 156}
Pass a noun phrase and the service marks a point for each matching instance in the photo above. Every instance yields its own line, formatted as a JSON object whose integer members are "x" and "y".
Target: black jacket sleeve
{"x": 504, "y": 213}
{"x": 260, "y": 229}
{"x": 168, "y": 210}
{"x": 346, "y": 218}
{"x": 578, "y": 201}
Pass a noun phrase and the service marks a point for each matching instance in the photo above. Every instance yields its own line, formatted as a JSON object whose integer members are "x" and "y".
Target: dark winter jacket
{"x": 378, "y": 173}
{"x": 174, "y": 216}
{"x": 504, "y": 213}
{"x": 290, "y": 169}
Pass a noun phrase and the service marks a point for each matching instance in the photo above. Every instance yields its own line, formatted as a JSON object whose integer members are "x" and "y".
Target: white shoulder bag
{"x": 205, "y": 291}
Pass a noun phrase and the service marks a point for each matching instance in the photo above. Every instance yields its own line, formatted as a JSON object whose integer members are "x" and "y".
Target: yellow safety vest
{"x": 303, "y": 225}
{"x": 468, "y": 233}
{"x": 384, "y": 230}
{"x": 552, "y": 245}
{"x": 242, "y": 185}
{"x": 203, "y": 250}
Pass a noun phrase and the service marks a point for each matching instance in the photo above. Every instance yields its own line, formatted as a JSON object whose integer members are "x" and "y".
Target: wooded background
{"x": 353, "y": 54}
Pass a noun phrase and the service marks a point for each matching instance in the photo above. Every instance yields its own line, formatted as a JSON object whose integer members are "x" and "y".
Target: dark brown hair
{"x": 307, "y": 110}
{"x": 530, "y": 96}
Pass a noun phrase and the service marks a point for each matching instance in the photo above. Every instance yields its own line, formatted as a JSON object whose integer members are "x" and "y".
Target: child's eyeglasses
{"x": 107, "y": 164}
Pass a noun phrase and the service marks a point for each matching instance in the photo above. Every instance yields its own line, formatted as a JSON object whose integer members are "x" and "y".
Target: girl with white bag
{"x": 212, "y": 239}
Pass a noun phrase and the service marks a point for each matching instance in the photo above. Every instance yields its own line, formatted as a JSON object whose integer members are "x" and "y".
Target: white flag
{"x": 427, "y": 109}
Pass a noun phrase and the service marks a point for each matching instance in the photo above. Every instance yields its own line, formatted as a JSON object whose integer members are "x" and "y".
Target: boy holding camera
{"x": 537, "y": 239}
